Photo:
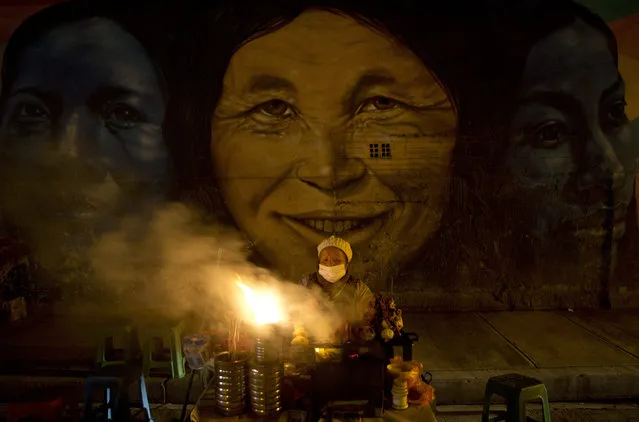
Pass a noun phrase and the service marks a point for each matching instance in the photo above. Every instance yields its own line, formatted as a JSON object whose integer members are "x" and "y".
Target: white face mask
{"x": 332, "y": 274}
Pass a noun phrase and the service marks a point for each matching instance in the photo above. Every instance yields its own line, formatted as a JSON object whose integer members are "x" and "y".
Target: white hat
{"x": 339, "y": 243}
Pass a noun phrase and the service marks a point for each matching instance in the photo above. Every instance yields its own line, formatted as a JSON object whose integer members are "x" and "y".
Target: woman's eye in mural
{"x": 378, "y": 104}
{"x": 616, "y": 116}
{"x": 273, "y": 110}
{"x": 122, "y": 116}
{"x": 548, "y": 135}
{"x": 31, "y": 117}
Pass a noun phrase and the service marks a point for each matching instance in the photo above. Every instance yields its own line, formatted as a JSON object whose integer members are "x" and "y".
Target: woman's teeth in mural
{"x": 336, "y": 226}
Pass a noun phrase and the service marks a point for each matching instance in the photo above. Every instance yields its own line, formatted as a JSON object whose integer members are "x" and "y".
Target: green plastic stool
{"x": 107, "y": 353}
{"x": 518, "y": 390}
{"x": 162, "y": 350}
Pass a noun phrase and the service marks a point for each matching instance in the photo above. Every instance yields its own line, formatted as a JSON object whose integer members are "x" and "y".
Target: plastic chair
{"x": 157, "y": 359}
{"x": 518, "y": 390}
{"x": 123, "y": 335}
{"x": 114, "y": 381}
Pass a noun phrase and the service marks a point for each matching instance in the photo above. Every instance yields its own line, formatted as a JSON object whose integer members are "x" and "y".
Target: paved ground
{"x": 580, "y": 356}
{"x": 560, "y": 412}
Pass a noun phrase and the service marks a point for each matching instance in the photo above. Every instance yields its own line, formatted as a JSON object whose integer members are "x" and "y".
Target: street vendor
{"x": 350, "y": 296}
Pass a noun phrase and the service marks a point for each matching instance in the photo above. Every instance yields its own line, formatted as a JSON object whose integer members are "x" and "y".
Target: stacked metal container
{"x": 231, "y": 380}
{"x": 265, "y": 379}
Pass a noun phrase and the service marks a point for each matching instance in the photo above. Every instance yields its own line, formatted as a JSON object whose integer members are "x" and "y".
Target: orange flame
{"x": 263, "y": 305}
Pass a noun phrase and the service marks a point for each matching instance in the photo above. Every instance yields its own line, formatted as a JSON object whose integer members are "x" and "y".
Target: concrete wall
{"x": 466, "y": 190}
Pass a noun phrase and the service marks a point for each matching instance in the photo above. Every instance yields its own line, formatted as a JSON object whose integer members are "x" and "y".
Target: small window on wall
{"x": 373, "y": 151}
{"x": 386, "y": 151}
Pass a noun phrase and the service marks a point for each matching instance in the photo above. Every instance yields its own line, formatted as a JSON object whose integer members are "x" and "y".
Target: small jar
{"x": 196, "y": 350}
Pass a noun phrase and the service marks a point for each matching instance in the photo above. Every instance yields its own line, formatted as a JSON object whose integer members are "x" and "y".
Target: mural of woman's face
{"x": 326, "y": 126}
{"x": 81, "y": 127}
{"x": 82, "y": 122}
{"x": 571, "y": 153}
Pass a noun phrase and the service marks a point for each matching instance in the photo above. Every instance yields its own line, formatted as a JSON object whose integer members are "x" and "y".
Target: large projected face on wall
{"x": 326, "y": 126}
{"x": 81, "y": 129}
{"x": 571, "y": 154}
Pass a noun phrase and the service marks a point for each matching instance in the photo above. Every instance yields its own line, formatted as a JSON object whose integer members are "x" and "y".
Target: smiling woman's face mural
{"x": 326, "y": 126}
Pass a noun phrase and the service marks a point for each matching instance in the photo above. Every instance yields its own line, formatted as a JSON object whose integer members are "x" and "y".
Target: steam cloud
{"x": 174, "y": 264}
{"x": 159, "y": 259}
